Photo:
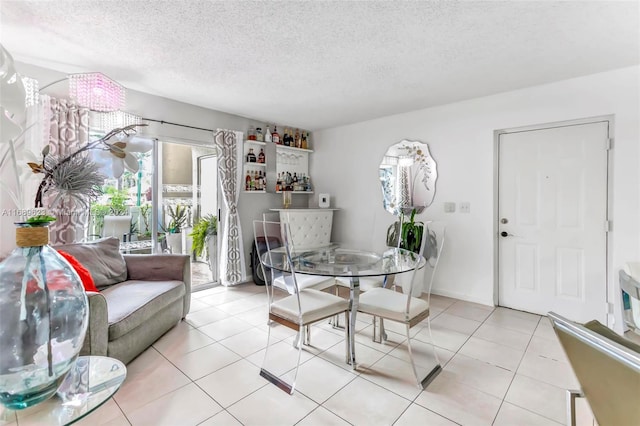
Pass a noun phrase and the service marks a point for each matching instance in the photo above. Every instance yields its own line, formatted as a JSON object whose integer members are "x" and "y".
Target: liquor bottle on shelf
{"x": 278, "y": 183}
{"x": 267, "y": 135}
{"x": 288, "y": 180}
{"x": 285, "y": 137}
{"x": 259, "y": 135}
{"x": 251, "y": 157}
{"x": 295, "y": 178}
{"x": 296, "y": 139}
{"x": 261, "y": 157}
{"x": 251, "y": 134}
{"x": 303, "y": 141}
{"x": 247, "y": 182}
{"x": 308, "y": 141}
{"x": 275, "y": 136}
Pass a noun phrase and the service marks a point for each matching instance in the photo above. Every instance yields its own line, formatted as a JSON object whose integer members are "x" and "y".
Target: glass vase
{"x": 43, "y": 319}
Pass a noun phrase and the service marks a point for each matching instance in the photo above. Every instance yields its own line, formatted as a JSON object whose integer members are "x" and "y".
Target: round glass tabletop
{"x": 343, "y": 261}
{"x": 91, "y": 381}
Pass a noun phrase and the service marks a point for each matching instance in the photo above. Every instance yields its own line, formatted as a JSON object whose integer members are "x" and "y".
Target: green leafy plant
{"x": 39, "y": 220}
{"x": 116, "y": 206}
{"x": 410, "y": 235}
{"x": 203, "y": 230}
{"x": 117, "y": 201}
{"x": 178, "y": 219}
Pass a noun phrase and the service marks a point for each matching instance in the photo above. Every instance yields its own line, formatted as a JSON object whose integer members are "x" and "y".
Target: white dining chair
{"x": 404, "y": 304}
{"x": 607, "y": 367}
{"x": 296, "y": 311}
{"x": 366, "y": 283}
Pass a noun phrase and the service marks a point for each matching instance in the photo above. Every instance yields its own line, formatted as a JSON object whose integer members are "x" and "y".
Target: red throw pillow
{"x": 85, "y": 275}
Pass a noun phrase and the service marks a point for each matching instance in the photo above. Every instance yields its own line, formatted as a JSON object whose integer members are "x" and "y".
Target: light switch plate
{"x": 465, "y": 207}
{"x": 323, "y": 200}
{"x": 449, "y": 207}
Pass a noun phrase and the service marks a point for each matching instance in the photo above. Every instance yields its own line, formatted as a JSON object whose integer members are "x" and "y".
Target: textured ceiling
{"x": 322, "y": 64}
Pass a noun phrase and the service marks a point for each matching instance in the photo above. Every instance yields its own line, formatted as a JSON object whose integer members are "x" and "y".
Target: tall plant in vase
{"x": 178, "y": 219}
{"x": 43, "y": 306}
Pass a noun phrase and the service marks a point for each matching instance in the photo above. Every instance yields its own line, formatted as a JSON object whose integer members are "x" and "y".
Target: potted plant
{"x": 410, "y": 235}
{"x": 116, "y": 205}
{"x": 174, "y": 230}
{"x": 204, "y": 235}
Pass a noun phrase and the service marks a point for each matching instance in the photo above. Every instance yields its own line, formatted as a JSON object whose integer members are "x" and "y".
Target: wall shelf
{"x": 279, "y": 159}
{"x": 292, "y": 148}
{"x": 296, "y": 192}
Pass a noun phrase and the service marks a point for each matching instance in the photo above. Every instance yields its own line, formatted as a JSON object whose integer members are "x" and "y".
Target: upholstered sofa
{"x": 140, "y": 297}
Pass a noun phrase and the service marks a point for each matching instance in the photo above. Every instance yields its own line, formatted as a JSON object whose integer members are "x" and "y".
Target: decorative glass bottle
{"x": 43, "y": 319}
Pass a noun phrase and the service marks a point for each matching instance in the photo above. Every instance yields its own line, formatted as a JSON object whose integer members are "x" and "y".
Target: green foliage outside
{"x": 178, "y": 219}
{"x": 202, "y": 230}
{"x": 115, "y": 207}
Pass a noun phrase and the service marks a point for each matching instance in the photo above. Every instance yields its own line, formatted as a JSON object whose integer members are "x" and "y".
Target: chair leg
{"x": 335, "y": 320}
{"x": 413, "y": 364}
{"x": 347, "y": 335}
{"x": 433, "y": 343}
{"x": 307, "y": 334}
{"x": 279, "y": 380}
{"x": 375, "y": 337}
{"x": 423, "y": 382}
{"x": 383, "y": 334}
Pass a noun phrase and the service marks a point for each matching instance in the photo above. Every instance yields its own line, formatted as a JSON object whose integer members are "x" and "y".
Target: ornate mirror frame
{"x": 408, "y": 175}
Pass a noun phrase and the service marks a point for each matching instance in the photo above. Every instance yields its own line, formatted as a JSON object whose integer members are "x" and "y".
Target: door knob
{"x": 507, "y": 234}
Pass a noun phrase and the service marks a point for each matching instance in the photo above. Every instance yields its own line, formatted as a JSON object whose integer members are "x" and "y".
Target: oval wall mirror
{"x": 408, "y": 176}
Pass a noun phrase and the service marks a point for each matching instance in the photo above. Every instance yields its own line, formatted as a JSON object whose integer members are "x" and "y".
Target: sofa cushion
{"x": 132, "y": 303}
{"x": 102, "y": 258}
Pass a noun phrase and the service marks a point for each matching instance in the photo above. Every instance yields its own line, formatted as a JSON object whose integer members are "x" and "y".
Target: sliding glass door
{"x": 155, "y": 209}
{"x": 187, "y": 193}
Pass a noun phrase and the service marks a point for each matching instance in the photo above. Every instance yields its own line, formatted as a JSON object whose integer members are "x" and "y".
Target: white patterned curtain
{"x": 68, "y": 131}
{"x": 232, "y": 263}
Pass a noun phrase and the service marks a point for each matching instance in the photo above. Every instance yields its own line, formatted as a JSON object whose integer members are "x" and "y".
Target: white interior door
{"x": 552, "y": 209}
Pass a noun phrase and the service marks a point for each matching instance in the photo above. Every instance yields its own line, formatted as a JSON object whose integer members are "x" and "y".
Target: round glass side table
{"x": 90, "y": 383}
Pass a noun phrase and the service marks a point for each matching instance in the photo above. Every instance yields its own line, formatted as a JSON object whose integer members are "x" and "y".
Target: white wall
{"x": 461, "y": 140}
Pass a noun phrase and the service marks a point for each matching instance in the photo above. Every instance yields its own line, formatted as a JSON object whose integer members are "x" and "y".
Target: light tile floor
{"x": 501, "y": 367}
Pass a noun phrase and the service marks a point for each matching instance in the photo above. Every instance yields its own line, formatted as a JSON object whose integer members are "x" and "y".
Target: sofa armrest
{"x": 161, "y": 267}
{"x": 97, "y": 336}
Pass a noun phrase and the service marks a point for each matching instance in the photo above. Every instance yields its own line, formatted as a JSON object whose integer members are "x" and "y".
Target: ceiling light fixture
{"x": 32, "y": 93}
{"x": 113, "y": 119}
{"x": 94, "y": 91}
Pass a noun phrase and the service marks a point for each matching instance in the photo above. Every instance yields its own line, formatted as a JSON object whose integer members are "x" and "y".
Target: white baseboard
{"x": 461, "y": 296}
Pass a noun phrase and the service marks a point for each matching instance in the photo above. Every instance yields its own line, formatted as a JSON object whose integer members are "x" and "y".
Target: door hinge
{"x": 608, "y": 225}
{"x": 609, "y": 144}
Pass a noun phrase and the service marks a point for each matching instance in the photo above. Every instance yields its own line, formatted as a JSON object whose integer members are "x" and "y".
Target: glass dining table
{"x": 341, "y": 260}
